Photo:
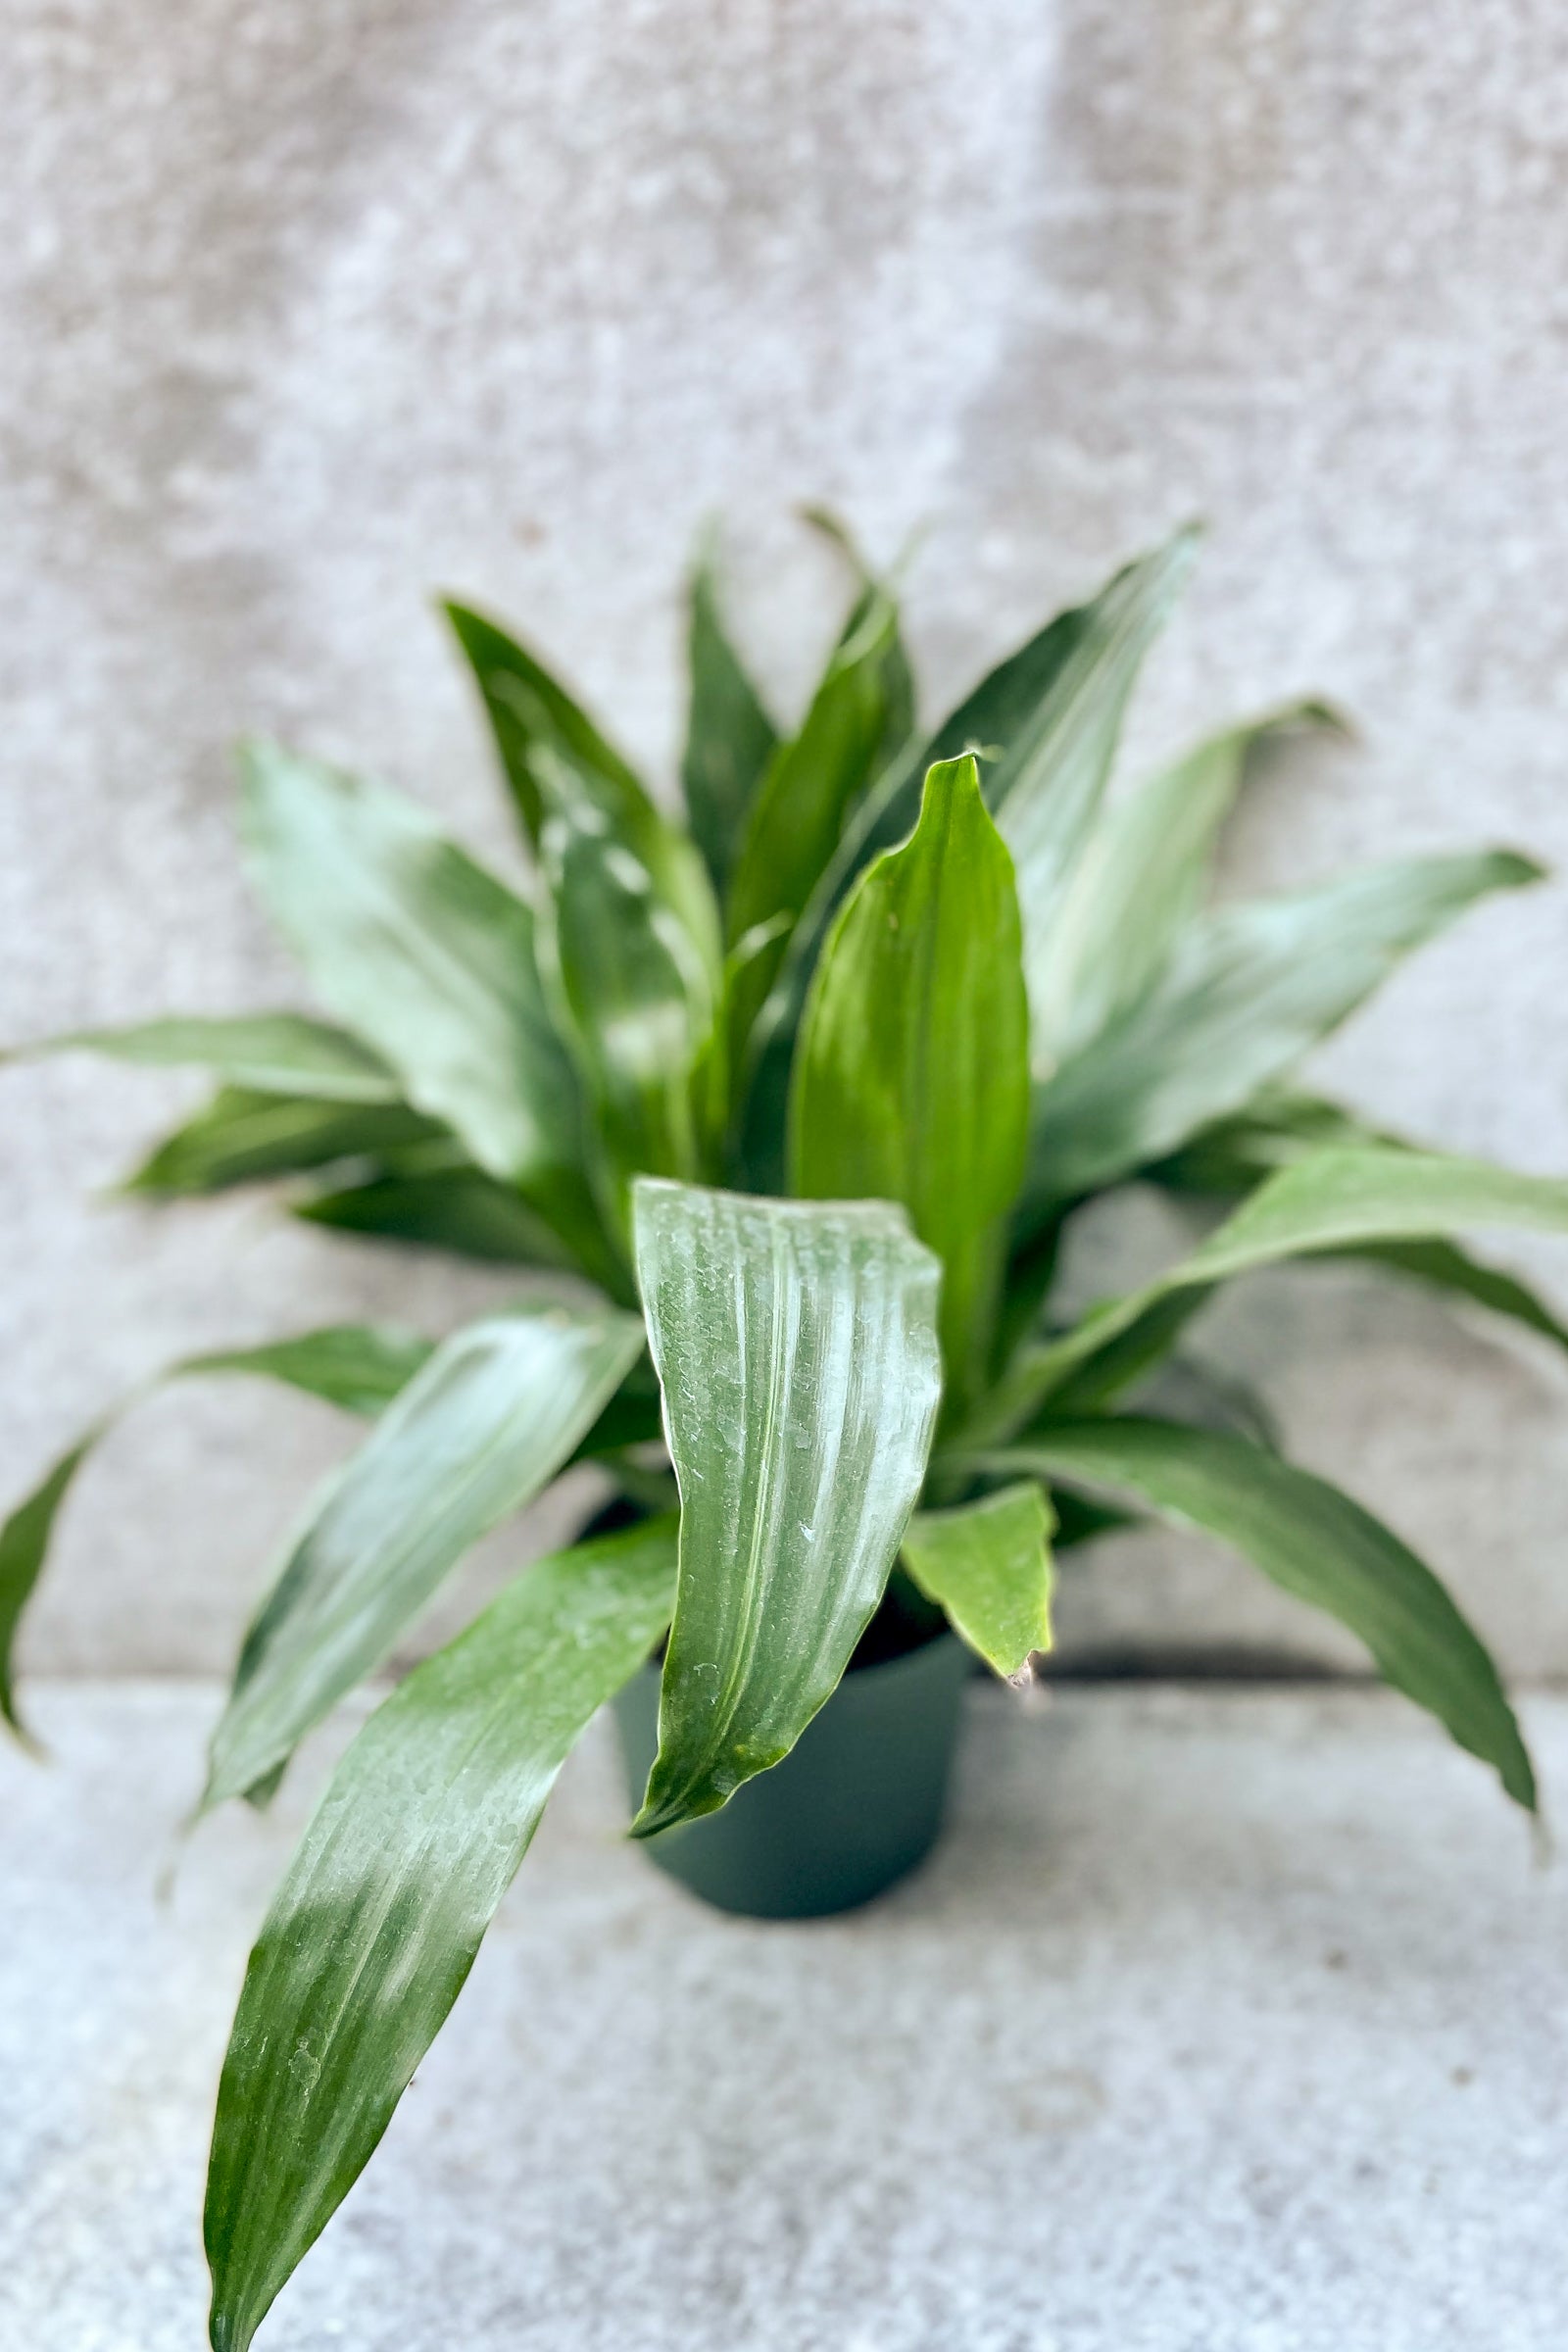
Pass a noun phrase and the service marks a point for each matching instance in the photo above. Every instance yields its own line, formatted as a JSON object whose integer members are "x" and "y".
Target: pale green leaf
{"x": 265, "y": 1053}
{"x": 1247, "y": 993}
{"x": 988, "y": 1564}
{"x": 1141, "y": 879}
{"x": 375, "y": 1926}
{"x": 911, "y": 1077}
{"x": 495, "y": 1413}
{"x": 796, "y": 1343}
{"x": 1314, "y": 1543}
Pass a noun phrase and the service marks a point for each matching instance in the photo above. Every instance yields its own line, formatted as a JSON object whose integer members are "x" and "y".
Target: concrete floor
{"x": 1223, "y": 2021}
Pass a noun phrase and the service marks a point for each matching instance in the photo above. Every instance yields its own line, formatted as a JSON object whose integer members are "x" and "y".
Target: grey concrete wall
{"x": 308, "y": 311}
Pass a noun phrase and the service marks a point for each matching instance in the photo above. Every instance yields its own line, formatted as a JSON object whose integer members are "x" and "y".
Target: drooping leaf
{"x": 455, "y": 1208}
{"x": 421, "y": 951}
{"x": 375, "y": 1926}
{"x": 636, "y": 1002}
{"x": 244, "y": 1137}
{"x": 1046, "y": 698}
{"x": 812, "y": 784}
{"x": 729, "y": 736}
{"x": 1314, "y": 1543}
{"x": 1247, "y": 993}
{"x": 988, "y": 1563}
{"x": 1141, "y": 879}
{"x": 1333, "y": 1200}
{"x": 796, "y": 1343}
{"x": 358, "y": 1366}
{"x": 265, "y": 1053}
{"x": 494, "y": 1414}
{"x": 1444, "y": 1267}
{"x": 912, "y": 1079}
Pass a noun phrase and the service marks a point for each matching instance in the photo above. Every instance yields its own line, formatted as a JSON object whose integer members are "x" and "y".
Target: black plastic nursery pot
{"x": 854, "y": 1806}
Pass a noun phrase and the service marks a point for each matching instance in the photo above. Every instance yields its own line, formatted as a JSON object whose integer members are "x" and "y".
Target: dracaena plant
{"x": 801, "y": 1094}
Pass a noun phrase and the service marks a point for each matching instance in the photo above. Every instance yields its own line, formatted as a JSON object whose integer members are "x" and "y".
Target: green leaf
{"x": 1444, "y": 1267}
{"x": 814, "y": 781}
{"x": 988, "y": 1564}
{"x": 912, "y": 1079}
{"x": 267, "y": 1053}
{"x": 375, "y": 1926}
{"x": 1141, "y": 879}
{"x": 796, "y": 1347}
{"x": 1331, "y": 1201}
{"x": 1314, "y": 1543}
{"x": 1026, "y": 710}
{"x": 1249, "y": 990}
{"x": 489, "y": 1421}
{"x": 729, "y": 737}
{"x": 358, "y": 1366}
{"x": 420, "y": 949}
{"x": 455, "y": 1208}
{"x": 243, "y": 1137}
{"x": 636, "y": 1002}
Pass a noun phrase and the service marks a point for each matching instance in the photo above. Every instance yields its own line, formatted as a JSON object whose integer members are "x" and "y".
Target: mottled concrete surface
{"x": 306, "y": 311}
{"x": 1218, "y": 2023}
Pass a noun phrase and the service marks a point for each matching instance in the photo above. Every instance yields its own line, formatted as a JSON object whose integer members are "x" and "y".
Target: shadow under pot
{"x": 852, "y": 1807}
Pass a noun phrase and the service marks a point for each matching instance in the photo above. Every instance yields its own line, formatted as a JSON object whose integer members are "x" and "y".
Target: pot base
{"x": 852, "y": 1807}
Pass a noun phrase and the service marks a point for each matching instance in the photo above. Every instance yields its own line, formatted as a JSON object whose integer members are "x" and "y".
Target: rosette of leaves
{"x": 793, "y": 1101}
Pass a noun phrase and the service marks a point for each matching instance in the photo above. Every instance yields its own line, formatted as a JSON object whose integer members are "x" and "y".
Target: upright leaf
{"x": 1314, "y": 1543}
{"x": 373, "y": 1930}
{"x": 912, "y": 1078}
{"x": 809, "y": 788}
{"x": 1332, "y": 1202}
{"x": 729, "y": 736}
{"x": 1142, "y": 877}
{"x": 637, "y": 1003}
{"x": 244, "y": 1137}
{"x": 1251, "y": 989}
{"x": 1011, "y": 720}
{"x": 428, "y": 956}
{"x": 987, "y": 1565}
{"x": 265, "y": 1053}
{"x": 358, "y": 1366}
{"x": 796, "y": 1347}
{"x": 488, "y": 1422}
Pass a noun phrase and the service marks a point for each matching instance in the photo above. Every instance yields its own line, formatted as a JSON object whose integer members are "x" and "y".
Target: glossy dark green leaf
{"x": 911, "y": 1080}
{"x": 1038, "y": 701}
{"x": 492, "y": 1417}
{"x": 242, "y": 1137}
{"x": 1246, "y": 995}
{"x": 421, "y": 951}
{"x": 358, "y": 1366}
{"x": 729, "y": 737}
{"x": 988, "y": 1563}
{"x": 374, "y": 1928}
{"x": 1331, "y": 1201}
{"x": 1140, "y": 878}
{"x": 812, "y": 784}
{"x": 265, "y": 1053}
{"x": 796, "y": 1343}
{"x": 1314, "y": 1543}
{"x": 636, "y": 1002}
{"x": 457, "y": 1209}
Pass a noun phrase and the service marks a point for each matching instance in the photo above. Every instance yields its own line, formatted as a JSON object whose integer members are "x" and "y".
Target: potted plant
{"x": 792, "y": 1104}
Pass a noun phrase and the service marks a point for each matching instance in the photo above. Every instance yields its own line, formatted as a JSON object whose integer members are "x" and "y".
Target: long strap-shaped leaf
{"x": 912, "y": 1079}
{"x": 988, "y": 1564}
{"x": 797, "y": 1345}
{"x": 729, "y": 735}
{"x": 244, "y": 1136}
{"x": 1329, "y": 1201}
{"x": 376, "y": 1925}
{"x": 267, "y": 1053}
{"x": 1249, "y": 990}
{"x": 1314, "y": 1543}
{"x": 1017, "y": 718}
{"x": 491, "y": 1418}
{"x": 356, "y": 1365}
